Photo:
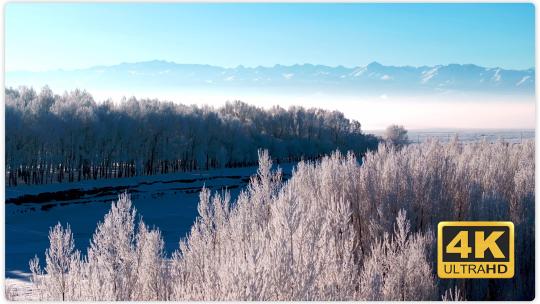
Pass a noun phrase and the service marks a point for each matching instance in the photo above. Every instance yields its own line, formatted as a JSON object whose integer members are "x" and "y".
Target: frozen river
{"x": 168, "y": 202}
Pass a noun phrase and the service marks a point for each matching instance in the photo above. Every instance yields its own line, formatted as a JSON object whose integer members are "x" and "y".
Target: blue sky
{"x": 68, "y": 36}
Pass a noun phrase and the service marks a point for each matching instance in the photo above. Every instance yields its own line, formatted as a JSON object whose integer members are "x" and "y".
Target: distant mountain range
{"x": 374, "y": 78}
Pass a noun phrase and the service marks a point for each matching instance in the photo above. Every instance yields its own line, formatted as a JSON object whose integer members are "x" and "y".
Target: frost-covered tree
{"x": 398, "y": 267}
{"x": 338, "y": 229}
{"x": 298, "y": 242}
{"x": 70, "y": 137}
{"x": 111, "y": 257}
{"x": 58, "y": 281}
{"x": 453, "y": 294}
{"x": 396, "y": 135}
{"x": 123, "y": 262}
{"x": 152, "y": 279}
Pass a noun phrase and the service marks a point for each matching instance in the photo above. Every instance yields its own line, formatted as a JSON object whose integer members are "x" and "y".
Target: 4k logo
{"x": 475, "y": 250}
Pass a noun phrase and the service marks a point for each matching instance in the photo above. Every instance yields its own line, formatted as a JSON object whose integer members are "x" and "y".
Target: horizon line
{"x": 375, "y": 62}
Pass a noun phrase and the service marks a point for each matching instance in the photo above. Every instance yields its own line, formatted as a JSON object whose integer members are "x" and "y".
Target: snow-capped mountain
{"x": 372, "y": 78}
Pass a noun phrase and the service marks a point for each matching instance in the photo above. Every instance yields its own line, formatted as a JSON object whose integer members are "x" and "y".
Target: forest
{"x": 86, "y": 140}
{"x": 341, "y": 228}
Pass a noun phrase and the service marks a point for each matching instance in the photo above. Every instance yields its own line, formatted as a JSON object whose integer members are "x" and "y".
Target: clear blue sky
{"x": 67, "y": 36}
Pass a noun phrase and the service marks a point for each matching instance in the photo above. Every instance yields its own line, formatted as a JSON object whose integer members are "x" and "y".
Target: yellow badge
{"x": 475, "y": 250}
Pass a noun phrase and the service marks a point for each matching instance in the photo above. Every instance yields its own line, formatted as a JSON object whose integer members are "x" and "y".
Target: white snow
{"x": 20, "y": 289}
{"x": 522, "y": 81}
{"x": 168, "y": 201}
{"x": 427, "y": 75}
{"x": 288, "y": 76}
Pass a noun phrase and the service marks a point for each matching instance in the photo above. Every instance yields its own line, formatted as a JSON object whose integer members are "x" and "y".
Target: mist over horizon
{"x": 343, "y": 57}
{"x": 443, "y": 96}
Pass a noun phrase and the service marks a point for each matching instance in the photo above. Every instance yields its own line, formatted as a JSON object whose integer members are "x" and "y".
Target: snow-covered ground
{"x": 168, "y": 202}
{"x": 20, "y": 289}
{"x": 467, "y": 135}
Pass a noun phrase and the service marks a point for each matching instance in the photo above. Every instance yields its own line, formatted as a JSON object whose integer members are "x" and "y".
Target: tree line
{"x": 336, "y": 230}
{"x": 65, "y": 138}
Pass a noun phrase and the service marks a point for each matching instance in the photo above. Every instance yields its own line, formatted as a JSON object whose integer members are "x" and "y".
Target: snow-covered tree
{"x": 57, "y": 282}
{"x": 453, "y": 294}
{"x": 396, "y": 135}
{"x": 70, "y": 137}
{"x": 152, "y": 280}
{"x": 111, "y": 256}
{"x": 398, "y": 268}
{"x": 338, "y": 229}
